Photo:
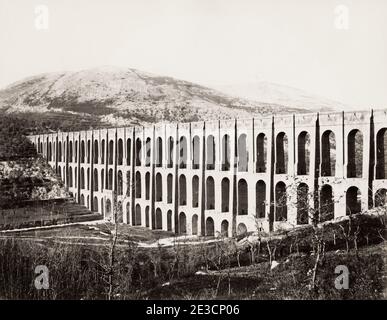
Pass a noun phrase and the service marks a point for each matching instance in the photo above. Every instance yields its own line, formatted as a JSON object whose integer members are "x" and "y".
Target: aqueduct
{"x": 227, "y": 176}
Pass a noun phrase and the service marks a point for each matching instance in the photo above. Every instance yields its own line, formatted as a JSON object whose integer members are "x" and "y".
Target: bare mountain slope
{"x": 110, "y": 96}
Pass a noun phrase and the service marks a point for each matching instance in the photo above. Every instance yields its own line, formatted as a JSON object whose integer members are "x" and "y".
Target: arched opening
{"x": 95, "y": 204}
{"x": 169, "y": 220}
{"x": 226, "y": 152}
{"x": 82, "y": 178}
{"x": 82, "y": 151}
{"x": 59, "y": 151}
{"x": 108, "y": 209}
{"x": 111, "y": 152}
{"x": 327, "y": 205}
{"x": 159, "y": 152}
{"x": 182, "y": 190}
{"x": 381, "y": 154}
{"x": 88, "y": 151}
{"x": 281, "y": 208}
{"x": 103, "y": 151}
{"x": 120, "y": 152}
{"x": 138, "y": 152}
{"x": 76, "y": 178}
{"x": 210, "y": 228}
{"x": 159, "y": 187}
{"x": 328, "y": 154}
{"x": 225, "y": 194}
{"x": 281, "y": 153}
{"x": 355, "y": 154}
{"x": 102, "y": 207}
{"x": 137, "y": 218}
{"x": 128, "y": 213}
{"x": 128, "y": 184}
{"x": 224, "y": 228}
{"x": 260, "y": 198}
{"x": 138, "y": 184}
{"x": 95, "y": 151}
{"x": 381, "y": 197}
{"x": 147, "y": 186}
{"x": 261, "y": 143}
{"x": 182, "y": 223}
{"x": 210, "y": 193}
{"x": 243, "y": 154}
{"x": 110, "y": 179}
{"x": 128, "y": 151}
{"x": 120, "y": 214}
{"x": 169, "y": 188}
{"x": 95, "y": 180}
{"x": 148, "y": 152}
{"x": 195, "y": 191}
{"x": 82, "y": 200}
{"x": 70, "y": 151}
{"x": 70, "y": 177}
{"x": 102, "y": 179}
{"x": 210, "y": 156}
{"x": 303, "y": 165}
{"x": 302, "y": 203}
{"x": 195, "y": 224}
{"x": 88, "y": 179}
{"x": 243, "y": 203}
{"x": 50, "y": 151}
{"x": 147, "y": 224}
{"x": 120, "y": 183}
{"x": 353, "y": 201}
{"x": 170, "y": 153}
{"x": 195, "y": 152}
{"x": 241, "y": 229}
{"x": 183, "y": 153}
{"x": 159, "y": 219}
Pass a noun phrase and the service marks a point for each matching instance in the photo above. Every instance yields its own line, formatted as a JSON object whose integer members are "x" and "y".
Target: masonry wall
{"x": 227, "y": 176}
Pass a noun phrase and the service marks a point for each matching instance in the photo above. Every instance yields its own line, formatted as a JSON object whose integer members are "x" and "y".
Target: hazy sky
{"x": 301, "y": 43}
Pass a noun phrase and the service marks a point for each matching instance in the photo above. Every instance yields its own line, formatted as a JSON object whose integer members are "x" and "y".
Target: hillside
{"x": 110, "y": 96}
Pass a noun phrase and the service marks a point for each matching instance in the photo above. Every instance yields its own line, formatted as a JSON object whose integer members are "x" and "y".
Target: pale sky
{"x": 299, "y": 43}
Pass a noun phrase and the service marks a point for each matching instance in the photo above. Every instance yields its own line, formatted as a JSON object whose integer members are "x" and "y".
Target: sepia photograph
{"x": 188, "y": 155}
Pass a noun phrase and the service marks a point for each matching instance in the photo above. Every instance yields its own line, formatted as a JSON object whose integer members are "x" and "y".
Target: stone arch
{"x": 353, "y": 200}
{"x": 327, "y": 205}
{"x": 148, "y": 147}
{"x": 210, "y": 154}
{"x": 182, "y": 190}
{"x": 224, "y": 228}
{"x": 70, "y": 151}
{"x": 243, "y": 153}
{"x": 120, "y": 152}
{"x": 226, "y": 151}
{"x": 241, "y": 229}
{"x": 102, "y": 179}
{"x": 59, "y": 172}
{"x": 381, "y": 154}
{"x": 82, "y": 199}
{"x": 95, "y": 180}
{"x": 281, "y": 153}
{"x": 88, "y": 151}
{"x": 120, "y": 183}
{"x": 82, "y": 178}
{"x": 103, "y": 147}
{"x": 169, "y": 188}
{"x": 182, "y": 223}
{"x": 302, "y": 204}
{"x": 281, "y": 208}
{"x": 183, "y": 153}
{"x": 243, "y": 203}
{"x": 128, "y": 151}
{"x": 88, "y": 179}
{"x": 111, "y": 152}
{"x": 170, "y": 153}
{"x": 210, "y": 227}
{"x": 50, "y": 151}
{"x": 195, "y": 224}
{"x": 76, "y": 177}
{"x": 59, "y": 151}
{"x": 195, "y": 191}
{"x": 159, "y": 219}
{"x": 195, "y": 152}
{"x": 159, "y": 187}
{"x": 261, "y": 145}
{"x": 110, "y": 179}
{"x": 381, "y": 197}
{"x": 138, "y": 184}
{"x": 137, "y": 216}
{"x": 138, "y": 152}
{"x": 70, "y": 177}
{"x": 169, "y": 220}
{"x": 108, "y": 209}
{"x": 225, "y": 186}
{"x": 159, "y": 152}
{"x": 210, "y": 193}
{"x": 95, "y": 150}
{"x": 303, "y": 153}
{"x": 328, "y": 154}
{"x": 355, "y": 154}
{"x": 260, "y": 199}
{"x": 147, "y": 186}
{"x": 147, "y": 224}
